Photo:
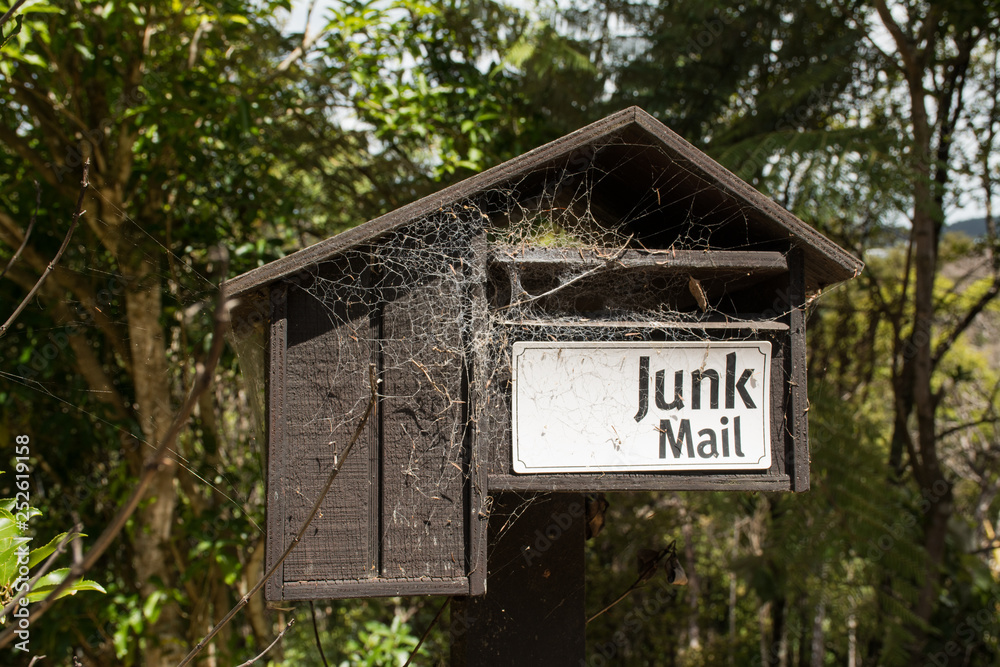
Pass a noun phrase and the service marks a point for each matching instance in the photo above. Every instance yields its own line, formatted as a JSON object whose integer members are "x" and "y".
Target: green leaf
{"x": 43, "y": 552}
{"x": 8, "y": 559}
{"x": 12, "y": 33}
{"x": 50, "y": 581}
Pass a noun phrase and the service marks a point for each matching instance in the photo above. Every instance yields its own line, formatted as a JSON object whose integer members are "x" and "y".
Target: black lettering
{"x": 643, "y": 388}
{"x": 709, "y": 441}
{"x": 696, "y": 378}
{"x": 736, "y": 437}
{"x": 683, "y": 435}
{"x": 741, "y": 387}
{"x": 725, "y": 436}
{"x": 661, "y": 399}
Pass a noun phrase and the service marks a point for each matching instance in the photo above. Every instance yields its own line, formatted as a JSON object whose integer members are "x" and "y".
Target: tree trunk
{"x": 154, "y": 566}
{"x": 817, "y": 648}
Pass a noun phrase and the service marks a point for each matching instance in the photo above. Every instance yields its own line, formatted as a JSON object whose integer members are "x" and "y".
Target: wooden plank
{"x": 423, "y": 429}
{"x": 533, "y": 610}
{"x": 779, "y": 406}
{"x": 476, "y": 447}
{"x": 727, "y": 261}
{"x": 743, "y": 325}
{"x": 799, "y": 409}
{"x": 276, "y": 458}
{"x": 331, "y": 344}
{"x": 640, "y": 482}
{"x": 368, "y": 588}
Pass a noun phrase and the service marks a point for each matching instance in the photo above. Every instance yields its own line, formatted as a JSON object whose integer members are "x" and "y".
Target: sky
{"x": 297, "y": 18}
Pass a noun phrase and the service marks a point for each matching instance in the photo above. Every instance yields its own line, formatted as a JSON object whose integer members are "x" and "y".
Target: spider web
{"x": 599, "y": 245}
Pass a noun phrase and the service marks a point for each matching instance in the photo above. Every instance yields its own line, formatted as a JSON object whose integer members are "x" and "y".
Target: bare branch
{"x": 152, "y": 465}
{"x": 644, "y": 576}
{"x": 84, "y": 184}
{"x": 427, "y": 632}
{"x": 10, "y": 12}
{"x": 302, "y": 530}
{"x": 993, "y": 419}
{"x": 970, "y": 315}
{"x": 27, "y": 233}
{"x": 319, "y": 644}
{"x": 272, "y": 645}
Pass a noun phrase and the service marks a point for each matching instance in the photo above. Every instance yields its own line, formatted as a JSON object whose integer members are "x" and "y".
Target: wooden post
{"x": 533, "y": 611}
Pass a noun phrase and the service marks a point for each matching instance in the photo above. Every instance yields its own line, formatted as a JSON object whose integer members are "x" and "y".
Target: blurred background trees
{"x": 218, "y": 124}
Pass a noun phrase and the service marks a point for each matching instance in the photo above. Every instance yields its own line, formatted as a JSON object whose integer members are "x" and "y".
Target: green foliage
{"x": 17, "y": 559}
{"x": 203, "y": 130}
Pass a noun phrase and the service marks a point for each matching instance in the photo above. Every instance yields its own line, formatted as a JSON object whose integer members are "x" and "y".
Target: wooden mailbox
{"x": 615, "y": 291}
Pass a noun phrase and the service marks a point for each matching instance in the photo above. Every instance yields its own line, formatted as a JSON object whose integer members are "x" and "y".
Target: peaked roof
{"x": 826, "y": 263}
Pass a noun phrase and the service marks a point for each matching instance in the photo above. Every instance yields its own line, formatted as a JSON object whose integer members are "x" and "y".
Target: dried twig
{"x": 646, "y": 573}
{"x": 427, "y": 632}
{"x": 302, "y": 530}
{"x": 27, "y": 233}
{"x": 264, "y": 652}
{"x": 10, "y": 12}
{"x": 319, "y": 644}
{"x": 84, "y": 184}
{"x": 152, "y": 464}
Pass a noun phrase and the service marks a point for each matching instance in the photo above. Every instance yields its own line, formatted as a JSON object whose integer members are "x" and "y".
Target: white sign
{"x": 619, "y": 407}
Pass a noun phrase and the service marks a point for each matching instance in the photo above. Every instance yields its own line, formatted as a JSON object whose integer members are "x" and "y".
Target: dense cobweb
{"x": 567, "y": 252}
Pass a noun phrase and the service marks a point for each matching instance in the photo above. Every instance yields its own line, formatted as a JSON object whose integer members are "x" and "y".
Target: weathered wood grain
{"x": 798, "y": 409}
{"x": 330, "y": 345}
{"x": 423, "y": 432}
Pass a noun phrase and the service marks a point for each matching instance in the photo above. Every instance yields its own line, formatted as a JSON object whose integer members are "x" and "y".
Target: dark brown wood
{"x": 276, "y": 457}
{"x": 744, "y": 325}
{"x": 423, "y": 432}
{"x": 780, "y": 393}
{"x": 799, "y": 404}
{"x": 730, "y": 261}
{"x": 367, "y": 588}
{"x": 632, "y": 128}
{"x": 533, "y": 610}
{"x": 330, "y": 345}
{"x": 564, "y": 482}
{"x": 477, "y": 365}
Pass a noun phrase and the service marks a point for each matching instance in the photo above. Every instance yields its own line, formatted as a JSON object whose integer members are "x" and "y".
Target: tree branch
{"x": 993, "y": 419}
{"x": 10, "y": 12}
{"x": 272, "y": 645}
{"x": 966, "y": 321}
{"x": 302, "y": 530}
{"x": 319, "y": 643}
{"x": 430, "y": 627}
{"x": 27, "y": 233}
{"x": 152, "y": 465}
{"x": 55, "y": 260}
{"x": 902, "y": 40}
